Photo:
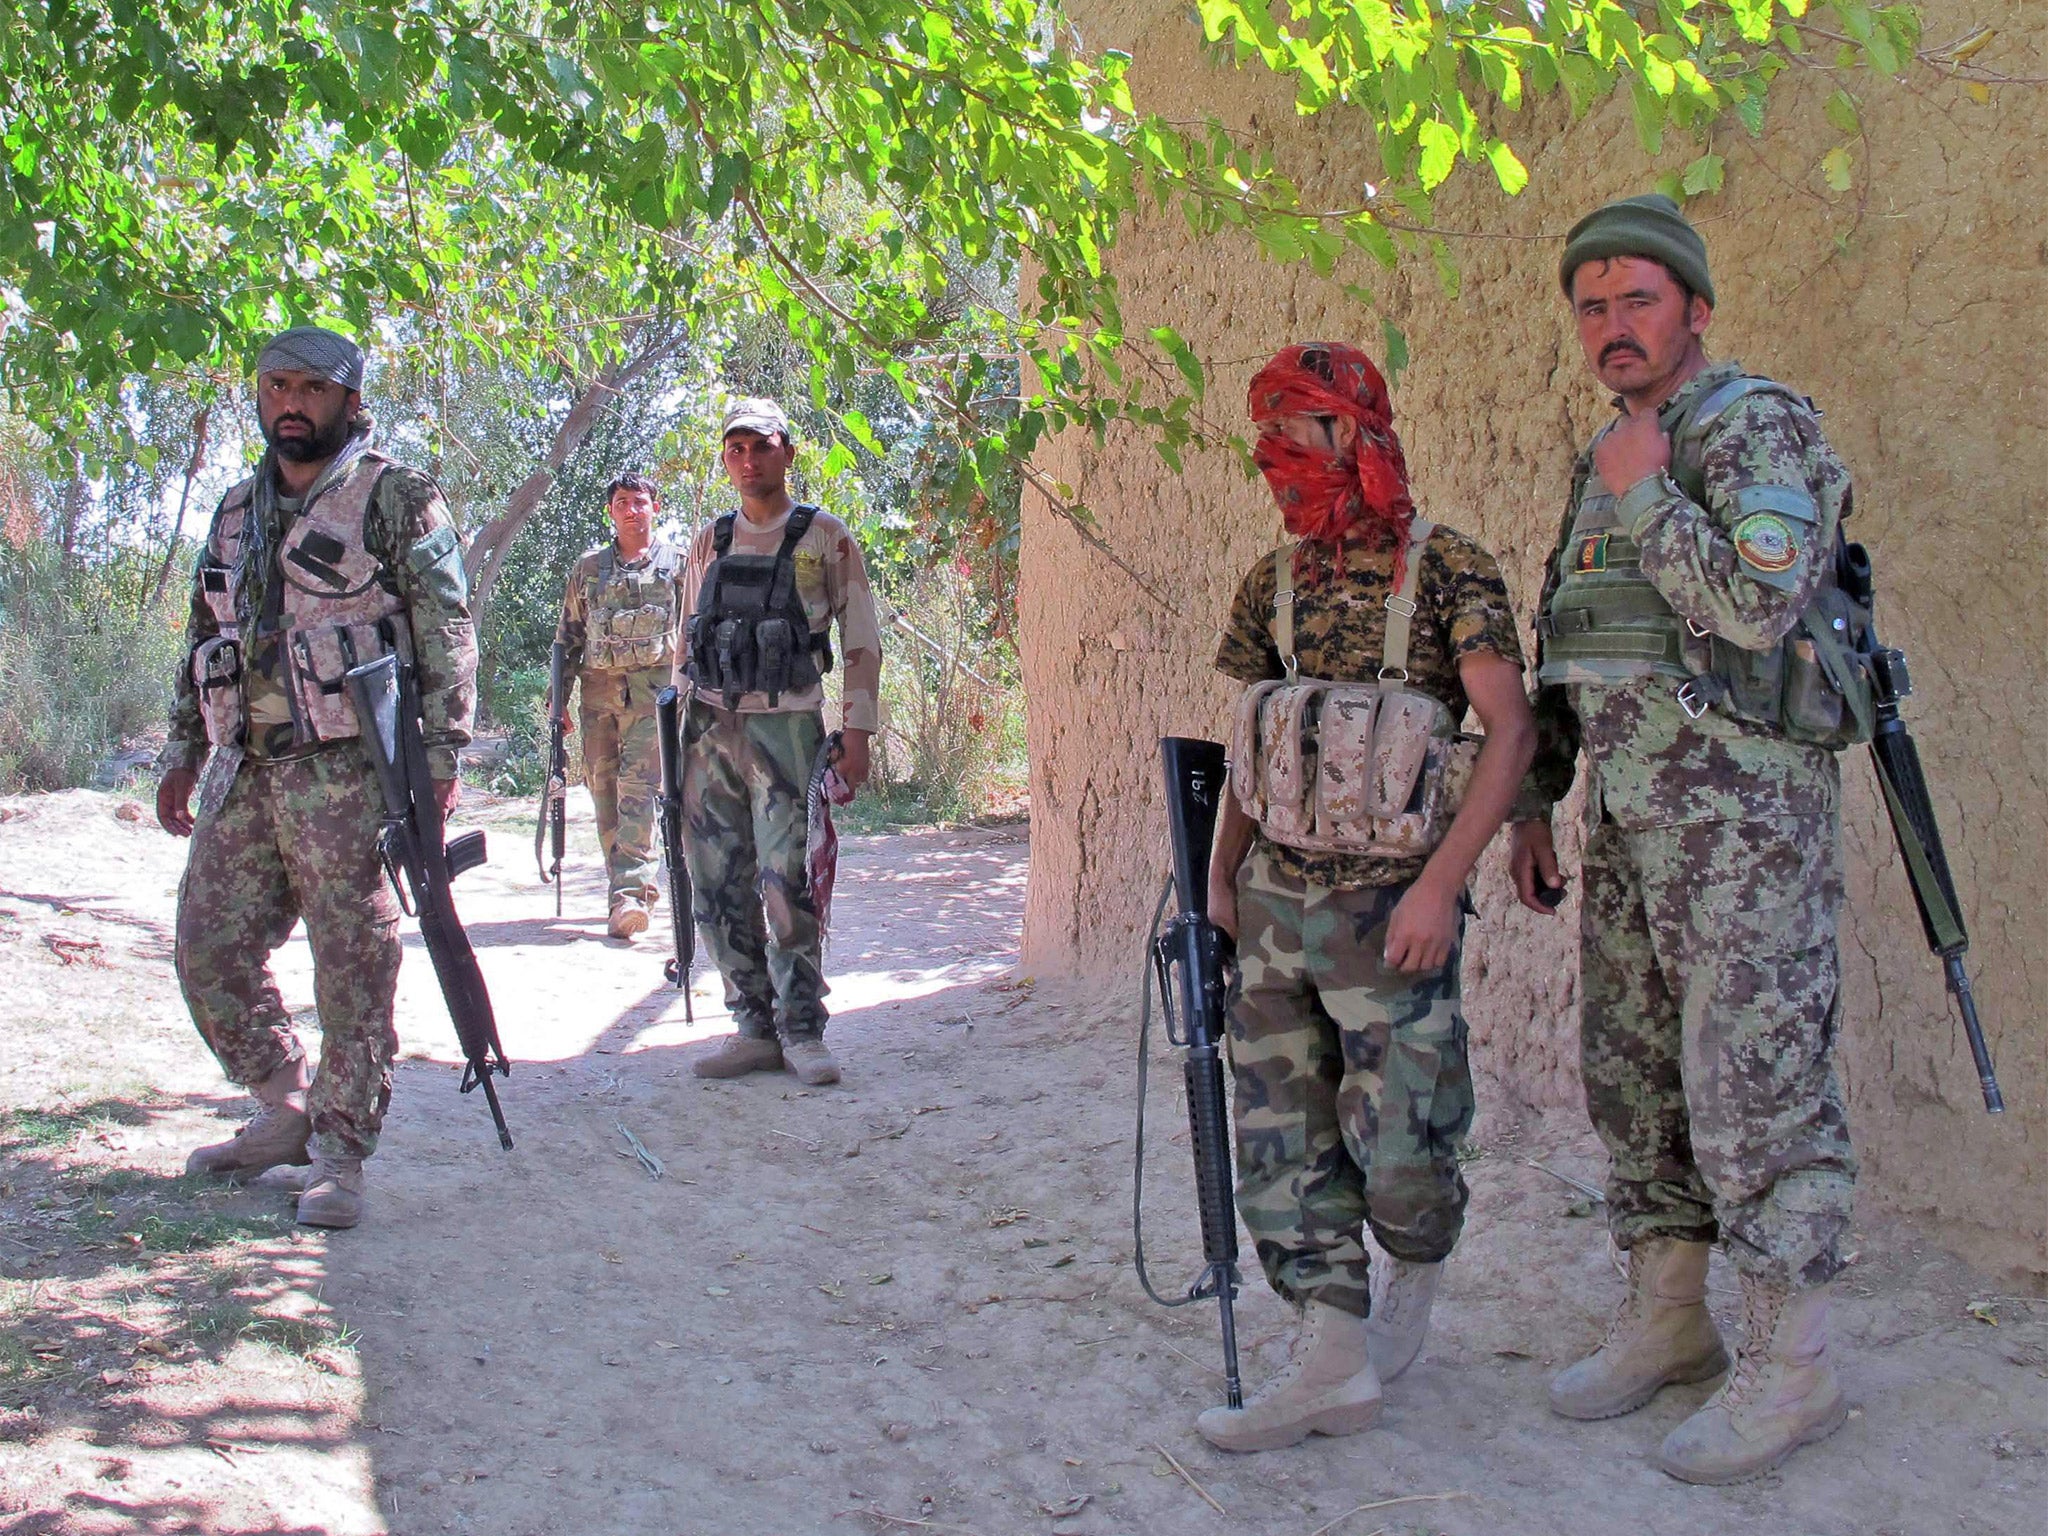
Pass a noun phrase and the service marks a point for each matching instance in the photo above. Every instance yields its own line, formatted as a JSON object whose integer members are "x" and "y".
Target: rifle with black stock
{"x": 1189, "y": 961}
{"x": 552, "y": 825}
{"x": 422, "y": 865}
{"x": 668, "y": 734}
{"x": 1911, "y": 809}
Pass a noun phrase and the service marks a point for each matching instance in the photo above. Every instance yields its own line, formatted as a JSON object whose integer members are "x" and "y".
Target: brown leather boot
{"x": 1782, "y": 1393}
{"x": 334, "y": 1191}
{"x": 737, "y": 1055}
{"x": 277, "y": 1134}
{"x": 1327, "y": 1388}
{"x": 806, "y": 1056}
{"x": 628, "y": 918}
{"x": 1660, "y": 1334}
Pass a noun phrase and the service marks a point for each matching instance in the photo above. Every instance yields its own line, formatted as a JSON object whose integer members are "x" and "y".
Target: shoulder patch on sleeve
{"x": 436, "y": 564}
{"x": 1769, "y": 547}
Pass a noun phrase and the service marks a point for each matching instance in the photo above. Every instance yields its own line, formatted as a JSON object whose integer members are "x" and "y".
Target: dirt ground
{"x": 902, "y": 1304}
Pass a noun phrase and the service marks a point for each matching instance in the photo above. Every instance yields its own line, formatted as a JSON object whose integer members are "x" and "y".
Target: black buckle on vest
{"x": 1573, "y": 621}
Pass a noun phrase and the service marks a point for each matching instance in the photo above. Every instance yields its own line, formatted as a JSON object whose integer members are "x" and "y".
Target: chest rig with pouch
{"x": 750, "y": 633}
{"x": 1372, "y": 768}
{"x": 329, "y": 608}
{"x": 630, "y": 614}
{"x": 1606, "y": 623}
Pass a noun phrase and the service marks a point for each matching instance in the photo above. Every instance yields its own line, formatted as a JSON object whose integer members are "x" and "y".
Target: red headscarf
{"x": 1324, "y": 494}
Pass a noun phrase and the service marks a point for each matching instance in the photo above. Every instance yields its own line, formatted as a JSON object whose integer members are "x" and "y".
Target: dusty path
{"x": 902, "y": 1304}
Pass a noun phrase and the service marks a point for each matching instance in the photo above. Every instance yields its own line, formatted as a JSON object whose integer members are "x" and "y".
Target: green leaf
{"x": 1507, "y": 169}
{"x": 1705, "y": 174}
{"x": 1835, "y": 165}
{"x": 1439, "y": 145}
{"x": 1840, "y": 112}
{"x": 1397, "y": 351}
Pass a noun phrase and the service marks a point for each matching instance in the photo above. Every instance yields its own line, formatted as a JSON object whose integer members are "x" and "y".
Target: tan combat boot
{"x": 628, "y": 918}
{"x": 334, "y": 1191}
{"x": 1327, "y": 1388}
{"x": 1781, "y": 1395}
{"x": 277, "y": 1134}
{"x": 737, "y": 1055}
{"x": 807, "y": 1057}
{"x": 1402, "y": 1296}
{"x": 1660, "y": 1334}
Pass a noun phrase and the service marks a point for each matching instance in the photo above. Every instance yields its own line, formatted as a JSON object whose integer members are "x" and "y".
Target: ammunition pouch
{"x": 317, "y": 663}
{"x": 630, "y": 622}
{"x": 217, "y": 679}
{"x": 1364, "y": 768}
{"x": 750, "y": 633}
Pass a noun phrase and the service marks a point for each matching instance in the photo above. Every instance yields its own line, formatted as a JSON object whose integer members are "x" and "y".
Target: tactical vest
{"x": 1362, "y": 768}
{"x": 630, "y": 615}
{"x": 334, "y": 612}
{"x": 750, "y": 633}
{"x": 1606, "y": 622}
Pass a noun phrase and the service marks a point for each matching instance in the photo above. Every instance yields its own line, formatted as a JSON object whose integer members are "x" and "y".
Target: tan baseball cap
{"x": 757, "y": 415}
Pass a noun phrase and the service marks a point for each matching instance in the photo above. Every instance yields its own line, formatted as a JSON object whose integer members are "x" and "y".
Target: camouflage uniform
{"x": 745, "y": 774}
{"x": 618, "y": 637}
{"x": 295, "y": 835}
{"x": 1713, "y": 883}
{"x": 1353, "y": 1086}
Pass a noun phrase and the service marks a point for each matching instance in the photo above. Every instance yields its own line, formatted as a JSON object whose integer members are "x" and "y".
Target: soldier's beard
{"x": 319, "y": 444}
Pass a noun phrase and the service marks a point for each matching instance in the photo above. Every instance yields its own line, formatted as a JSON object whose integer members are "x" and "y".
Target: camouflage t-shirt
{"x": 1340, "y": 631}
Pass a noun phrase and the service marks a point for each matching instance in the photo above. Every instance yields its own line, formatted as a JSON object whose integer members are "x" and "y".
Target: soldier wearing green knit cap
{"x": 1678, "y": 645}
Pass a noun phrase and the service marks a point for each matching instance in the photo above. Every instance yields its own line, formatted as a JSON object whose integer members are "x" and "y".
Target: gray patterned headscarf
{"x": 313, "y": 349}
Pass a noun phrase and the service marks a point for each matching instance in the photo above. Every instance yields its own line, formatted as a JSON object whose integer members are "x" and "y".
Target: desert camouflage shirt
{"x": 1340, "y": 632}
{"x": 833, "y": 583}
{"x": 1652, "y": 765}
{"x": 405, "y": 508}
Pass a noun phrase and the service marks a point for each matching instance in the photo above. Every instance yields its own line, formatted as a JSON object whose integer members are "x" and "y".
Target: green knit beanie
{"x": 1649, "y": 226}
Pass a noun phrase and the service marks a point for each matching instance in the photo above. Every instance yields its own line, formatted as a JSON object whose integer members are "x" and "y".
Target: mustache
{"x": 304, "y": 421}
{"x": 1614, "y": 347}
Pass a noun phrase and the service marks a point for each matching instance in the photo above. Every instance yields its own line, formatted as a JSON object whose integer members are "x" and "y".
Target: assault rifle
{"x": 1912, "y": 815}
{"x": 1189, "y": 961}
{"x": 552, "y": 823}
{"x": 423, "y": 866}
{"x": 668, "y": 735}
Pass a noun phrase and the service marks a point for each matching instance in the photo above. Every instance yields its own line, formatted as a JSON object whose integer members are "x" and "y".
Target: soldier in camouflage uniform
{"x": 620, "y": 617}
{"x": 1347, "y": 1045}
{"x": 329, "y": 555}
{"x": 1676, "y": 647}
{"x": 761, "y": 590}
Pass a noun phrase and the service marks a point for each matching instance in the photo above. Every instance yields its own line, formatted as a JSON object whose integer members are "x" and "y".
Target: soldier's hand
{"x": 1223, "y": 906}
{"x": 174, "y": 801}
{"x": 568, "y": 725}
{"x": 855, "y": 761}
{"x": 1633, "y": 449}
{"x": 1532, "y": 860}
{"x": 447, "y": 795}
{"x": 1424, "y": 927}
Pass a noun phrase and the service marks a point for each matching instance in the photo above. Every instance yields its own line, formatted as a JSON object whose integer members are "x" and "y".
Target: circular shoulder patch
{"x": 1764, "y": 541}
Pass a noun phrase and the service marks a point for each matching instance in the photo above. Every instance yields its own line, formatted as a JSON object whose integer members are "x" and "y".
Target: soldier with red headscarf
{"x": 1339, "y": 866}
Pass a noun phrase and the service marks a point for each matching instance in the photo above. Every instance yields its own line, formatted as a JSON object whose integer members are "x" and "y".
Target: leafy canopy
{"x": 507, "y": 182}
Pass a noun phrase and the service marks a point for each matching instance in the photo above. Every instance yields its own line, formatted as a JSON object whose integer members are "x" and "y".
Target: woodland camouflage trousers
{"x": 1712, "y": 1000}
{"x": 1353, "y": 1088}
{"x": 744, "y": 830}
{"x": 622, "y": 766}
{"x": 296, "y": 839}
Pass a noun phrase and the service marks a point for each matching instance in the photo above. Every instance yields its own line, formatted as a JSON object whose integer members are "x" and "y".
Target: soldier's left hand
{"x": 854, "y": 762}
{"x": 447, "y": 793}
{"x": 1633, "y": 449}
{"x": 1424, "y": 928}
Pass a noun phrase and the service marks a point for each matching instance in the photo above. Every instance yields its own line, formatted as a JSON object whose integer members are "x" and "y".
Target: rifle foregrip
{"x": 1209, "y": 1125}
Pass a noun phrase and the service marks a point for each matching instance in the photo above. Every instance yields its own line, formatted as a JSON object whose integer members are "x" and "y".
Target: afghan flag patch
{"x": 1763, "y": 541}
{"x": 1591, "y": 555}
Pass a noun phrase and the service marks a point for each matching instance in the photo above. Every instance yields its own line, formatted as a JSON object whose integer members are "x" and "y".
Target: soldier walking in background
{"x": 1686, "y": 642}
{"x": 1361, "y": 642}
{"x": 761, "y": 591}
{"x": 621, "y": 615}
{"x": 328, "y": 556}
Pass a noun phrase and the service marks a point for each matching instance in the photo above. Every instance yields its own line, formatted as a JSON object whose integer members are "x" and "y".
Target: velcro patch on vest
{"x": 1591, "y": 555}
{"x": 303, "y": 557}
{"x": 1765, "y": 542}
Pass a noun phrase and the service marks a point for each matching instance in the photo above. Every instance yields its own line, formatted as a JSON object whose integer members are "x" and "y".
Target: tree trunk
{"x": 487, "y": 548}
{"x": 202, "y": 423}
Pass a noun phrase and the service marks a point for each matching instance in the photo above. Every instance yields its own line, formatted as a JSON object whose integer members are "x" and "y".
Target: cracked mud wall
{"x": 1914, "y": 309}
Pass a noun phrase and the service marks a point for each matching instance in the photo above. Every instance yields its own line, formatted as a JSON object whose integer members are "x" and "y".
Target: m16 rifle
{"x": 668, "y": 734}
{"x": 1912, "y": 816}
{"x": 423, "y": 866}
{"x": 552, "y": 825}
{"x": 1189, "y": 963}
